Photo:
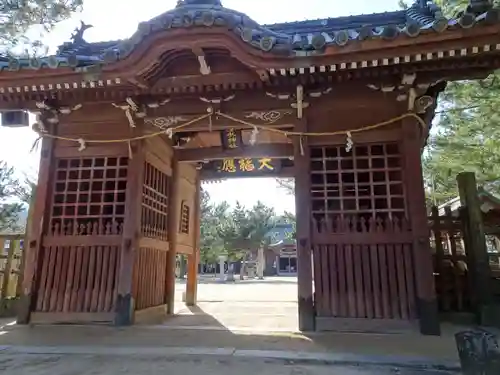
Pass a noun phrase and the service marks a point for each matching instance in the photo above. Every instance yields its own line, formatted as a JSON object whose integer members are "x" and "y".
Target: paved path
{"x": 232, "y": 324}
{"x": 257, "y": 305}
{"x": 144, "y": 365}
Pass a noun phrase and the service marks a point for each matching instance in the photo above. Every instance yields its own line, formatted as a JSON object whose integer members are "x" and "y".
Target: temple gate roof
{"x": 304, "y": 38}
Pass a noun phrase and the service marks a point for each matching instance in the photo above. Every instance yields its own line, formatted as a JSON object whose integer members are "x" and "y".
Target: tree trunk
{"x": 243, "y": 267}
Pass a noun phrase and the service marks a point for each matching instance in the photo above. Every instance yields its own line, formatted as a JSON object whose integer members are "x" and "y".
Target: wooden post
{"x": 303, "y": 213}
{"x": 4, "y": 292}
{"x": 2, "y": 248}
{"x": 33, "y": 243}
{"x": 173, "y": 230}
{"x": 193, "y": 259}
{"x": 426, "y": 294}
{"x": 124, "y": 312}
{"x": 476, "y": 248}
{"x": 24, "y": 250}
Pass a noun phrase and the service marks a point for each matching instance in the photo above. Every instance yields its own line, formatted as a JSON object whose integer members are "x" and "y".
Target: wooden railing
{"x": 452, "y": 263}
{"x": 11, "y": 269}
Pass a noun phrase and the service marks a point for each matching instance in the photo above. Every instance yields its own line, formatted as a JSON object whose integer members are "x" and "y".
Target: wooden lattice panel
{"x": 362, "y": 184}
{"x": 78, "y": 279}
{"x": 154, "y": 222}
{"x": 89, "y": 195}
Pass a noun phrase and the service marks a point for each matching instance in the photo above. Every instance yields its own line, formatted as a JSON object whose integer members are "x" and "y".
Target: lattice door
{"x": 363, "y": 264}
{"x": 88, "y": 193}
{"x": 78, "y": 269}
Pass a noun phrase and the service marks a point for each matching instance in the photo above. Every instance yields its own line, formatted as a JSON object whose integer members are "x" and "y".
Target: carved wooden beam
{"x": 207, "y": 80}
{"x": 271, "y": 150}
{"x": 284, "y": 172}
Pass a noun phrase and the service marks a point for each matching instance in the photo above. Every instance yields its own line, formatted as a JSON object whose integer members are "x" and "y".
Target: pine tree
{"x": 17, "y": 17}
{"x": 467, "y": 134}
{"x": 9, "y": 207}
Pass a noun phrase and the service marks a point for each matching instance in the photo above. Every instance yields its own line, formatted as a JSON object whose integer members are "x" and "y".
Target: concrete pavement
{"x": 233, "y": 323}
{"x": 138, "y": 364}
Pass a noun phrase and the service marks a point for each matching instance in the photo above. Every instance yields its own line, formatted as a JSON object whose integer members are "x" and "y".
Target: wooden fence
{"x": 11, "y": 268}
{"x": 452, "y": 263}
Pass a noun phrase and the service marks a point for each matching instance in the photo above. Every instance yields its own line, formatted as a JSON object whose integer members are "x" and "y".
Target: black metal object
{"x": 15, "y": 119}
{"x": 479, "y": 352}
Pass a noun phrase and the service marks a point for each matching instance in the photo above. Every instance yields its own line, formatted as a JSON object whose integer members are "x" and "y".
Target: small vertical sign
{"x": 231, "y": 138}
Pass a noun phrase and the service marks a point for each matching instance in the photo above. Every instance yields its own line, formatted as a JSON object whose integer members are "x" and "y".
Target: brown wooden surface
{"x": 173, "y": 231}
{"x": 33, "y": 244}
{"x": 7, "y": 268}
{"x": 475, "y": 242}
{"x": 389, "y": 295}
{"x": 213, "y": 153}
{"x": 304, "y": 245}
{"x": 150, "y": 262}
{"x": 193, "y": 259}
{"x": 450, "y": 263}
{"x": 78, "y": 279}
{"x": 110, "y": 219}
{"x": 362, "y": 243}
{"x": 424, "y": 280}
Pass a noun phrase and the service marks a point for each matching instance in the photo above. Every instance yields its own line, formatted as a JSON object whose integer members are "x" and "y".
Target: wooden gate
{"x": 361, "y": 239}
{"x": 78, "y": 263}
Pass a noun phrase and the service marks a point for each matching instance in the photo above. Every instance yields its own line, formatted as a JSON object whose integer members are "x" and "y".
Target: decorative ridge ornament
{"x": 77, "y": 36}
{"x": 181, "y": 3}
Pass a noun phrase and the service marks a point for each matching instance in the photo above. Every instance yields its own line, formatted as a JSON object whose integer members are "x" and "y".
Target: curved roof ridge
{"x": 328, "y": 20}
{"x": 299, "y": 38}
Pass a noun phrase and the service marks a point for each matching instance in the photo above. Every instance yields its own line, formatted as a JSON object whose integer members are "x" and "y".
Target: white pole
{"x": 221, "y": 268}
{"x": 260, "y": 263}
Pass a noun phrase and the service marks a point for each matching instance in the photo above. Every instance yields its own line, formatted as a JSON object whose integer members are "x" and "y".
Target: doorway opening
{"x": 247, "y": 232}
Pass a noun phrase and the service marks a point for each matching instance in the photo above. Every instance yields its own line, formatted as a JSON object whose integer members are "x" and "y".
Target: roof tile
{"x": 292, "y": 38}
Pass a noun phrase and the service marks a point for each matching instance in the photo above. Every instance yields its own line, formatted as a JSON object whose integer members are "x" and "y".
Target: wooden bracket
{"x": 263, "y": 74}
{"x": 204, "y": 67}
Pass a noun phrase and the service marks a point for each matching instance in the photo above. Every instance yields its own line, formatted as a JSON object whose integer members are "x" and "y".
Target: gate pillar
{"x": 303, "y": 214}
{"x": 131, "y": 235}
{"x": 427, "y": 306}
{"x": 32, "y": 244}
{"x": 193, "y": 259}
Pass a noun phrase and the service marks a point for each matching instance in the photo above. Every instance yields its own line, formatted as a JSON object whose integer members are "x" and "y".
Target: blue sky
{"x": 116, "y": 19}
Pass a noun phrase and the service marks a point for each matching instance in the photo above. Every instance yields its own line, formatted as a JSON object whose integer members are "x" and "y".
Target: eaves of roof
{"x": 284, "y": 39}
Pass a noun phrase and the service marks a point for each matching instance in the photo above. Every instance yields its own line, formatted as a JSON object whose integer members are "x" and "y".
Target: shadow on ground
{"x": 195, "y": 334}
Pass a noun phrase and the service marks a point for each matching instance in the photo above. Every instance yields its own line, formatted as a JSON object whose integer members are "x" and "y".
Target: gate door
{"x": 361, "y": 240}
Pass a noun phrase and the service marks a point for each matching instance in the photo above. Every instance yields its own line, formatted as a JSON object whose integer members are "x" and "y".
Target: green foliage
{"x": 212, "y": 216}
{"x": 245, "y": 230}
{"x": 233, "y": 233}
{"x": 19, "y": 15}
{"x": 9, "y": 207}
{"x": 451, "y": 8}
{"x": 467, "y": 134}
{"x": 467, "y": 138}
